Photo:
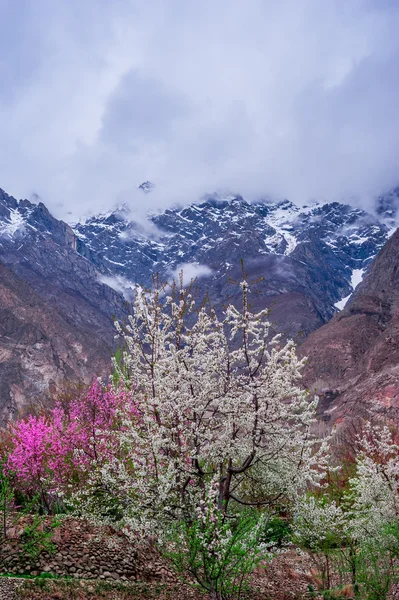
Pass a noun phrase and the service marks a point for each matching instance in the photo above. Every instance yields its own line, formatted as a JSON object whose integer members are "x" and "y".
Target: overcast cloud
{"x": 288, "y": 98}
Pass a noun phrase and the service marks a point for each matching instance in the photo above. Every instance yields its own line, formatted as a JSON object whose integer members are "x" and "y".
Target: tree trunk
{"x": 214, "y": 594}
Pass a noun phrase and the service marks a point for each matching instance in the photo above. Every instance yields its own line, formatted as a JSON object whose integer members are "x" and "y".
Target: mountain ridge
{"x": 53, "y": 293}
{"x": 218, "y": 233}
{"x": 302, "y": 258}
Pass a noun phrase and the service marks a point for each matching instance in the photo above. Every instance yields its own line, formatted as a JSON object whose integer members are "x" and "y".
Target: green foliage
{"x": 375, "y": 562}
{"x": 335, "y": 543}
{"x": 37, "y": 536}
{"x": 6, "y": 499}
{"x": 312, "y": 593}
{"x": 120, "y": 373}
{"x": 277, "y": 531}
{"x": 37, "y": 532}
{"x": 220, "y": 554}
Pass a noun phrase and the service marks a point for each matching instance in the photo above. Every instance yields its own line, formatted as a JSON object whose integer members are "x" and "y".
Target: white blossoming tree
{"x": 375, "y": 487}
{"x": 222, "y": 432}
{"x": 320, "y": 527}
{"x": 375, "y": 510}
{"x": 359, "y": 537}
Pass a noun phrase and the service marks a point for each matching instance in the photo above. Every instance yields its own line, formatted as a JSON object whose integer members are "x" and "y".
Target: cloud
{"x": 190, "y": 271}
{"x": 141, "y": 110}
{"x": 292, "y": 99}
{"x": 119, "y": 284}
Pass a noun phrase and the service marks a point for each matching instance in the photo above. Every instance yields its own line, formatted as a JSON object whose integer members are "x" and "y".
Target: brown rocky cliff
{"x": 353, "y": 361}
{"x": 40, "y": 349}
{"x": 56, "y": 316}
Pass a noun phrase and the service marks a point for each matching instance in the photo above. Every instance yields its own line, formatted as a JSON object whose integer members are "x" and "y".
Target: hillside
{"x": 55, "y": 316}
{"x": 40, "y": 348}
{"x": 354, "y": 359}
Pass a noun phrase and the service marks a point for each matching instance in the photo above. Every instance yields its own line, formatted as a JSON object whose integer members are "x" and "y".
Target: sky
{"x": 272, "y": 99}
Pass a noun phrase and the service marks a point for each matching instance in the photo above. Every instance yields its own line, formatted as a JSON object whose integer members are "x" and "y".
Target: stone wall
{"x": 85, "y": 551}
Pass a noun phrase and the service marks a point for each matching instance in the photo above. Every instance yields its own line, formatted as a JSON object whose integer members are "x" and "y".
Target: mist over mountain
{"x": 292, "y": 99}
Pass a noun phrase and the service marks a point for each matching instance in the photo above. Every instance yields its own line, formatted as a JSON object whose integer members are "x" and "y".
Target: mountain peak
{"x": 146, "y": 187}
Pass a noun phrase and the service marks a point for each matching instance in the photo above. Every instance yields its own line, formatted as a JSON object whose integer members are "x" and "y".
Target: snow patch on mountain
{"x": 356, "y": 278}
{"x": 281, "y": 218}
{"x": 12, "y": 225}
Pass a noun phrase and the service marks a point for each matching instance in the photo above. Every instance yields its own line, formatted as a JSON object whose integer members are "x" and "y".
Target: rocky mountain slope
{"x": 353, "y": 361}
{"x": 310, "y": 258}
{"x": 40, "y": 348}
{"x": 55, "y": 316}
{"x": 66, "y": 283}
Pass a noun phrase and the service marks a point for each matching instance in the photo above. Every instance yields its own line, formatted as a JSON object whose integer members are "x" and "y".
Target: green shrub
{"x": 277, "y": 531}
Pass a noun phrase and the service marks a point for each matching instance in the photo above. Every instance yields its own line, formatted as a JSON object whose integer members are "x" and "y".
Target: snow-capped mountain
{"x": 302, "y": 263}
{"x": 334, "y": 244}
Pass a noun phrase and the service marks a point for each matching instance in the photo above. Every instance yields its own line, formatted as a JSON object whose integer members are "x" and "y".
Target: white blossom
{"x": 220, "y": 404}
{"x": 375, "y": 488}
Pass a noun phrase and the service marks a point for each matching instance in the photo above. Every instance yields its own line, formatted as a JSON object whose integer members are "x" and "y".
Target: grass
{"x": 29, "y": 576}
{"x": 100, "y": 590}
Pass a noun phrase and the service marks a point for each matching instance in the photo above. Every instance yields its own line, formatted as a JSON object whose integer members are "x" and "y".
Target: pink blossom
{"x": 67, "y": 442}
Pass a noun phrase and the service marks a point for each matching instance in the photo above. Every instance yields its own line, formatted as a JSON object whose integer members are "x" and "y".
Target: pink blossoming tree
{"x": 50, "y": 453}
